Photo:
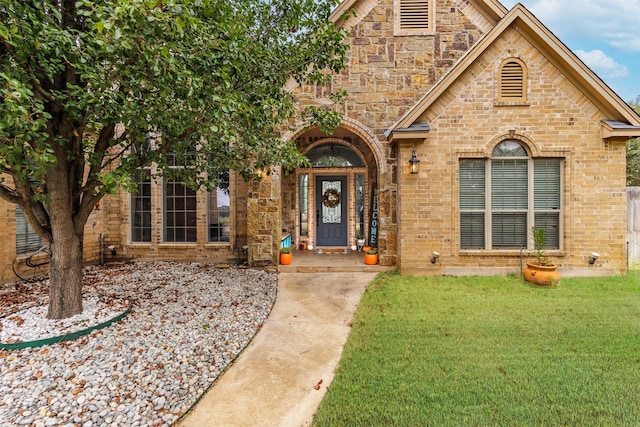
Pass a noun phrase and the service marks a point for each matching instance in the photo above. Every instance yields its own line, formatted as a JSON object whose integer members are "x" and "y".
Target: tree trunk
{"x": 65, "y": 275}
{"x": 65, "y": 246}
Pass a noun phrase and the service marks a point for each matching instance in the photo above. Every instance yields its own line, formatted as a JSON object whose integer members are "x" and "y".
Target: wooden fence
{"x": 633, "y": 223}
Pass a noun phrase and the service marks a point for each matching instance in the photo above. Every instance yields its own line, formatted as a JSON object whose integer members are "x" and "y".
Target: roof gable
{"x": 557, "y": 53}
{"x": 491, "y": 10}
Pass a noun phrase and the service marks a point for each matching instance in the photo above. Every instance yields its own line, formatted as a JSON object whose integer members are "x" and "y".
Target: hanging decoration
{"x": 331, "y": 198}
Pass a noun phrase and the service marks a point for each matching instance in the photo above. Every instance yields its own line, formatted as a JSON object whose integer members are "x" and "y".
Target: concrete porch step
{"x": 330, "y": 260}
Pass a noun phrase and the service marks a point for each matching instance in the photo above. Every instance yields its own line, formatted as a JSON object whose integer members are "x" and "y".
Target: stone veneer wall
{"x": 385, "y": 75}
{"x": 264, "y": 215}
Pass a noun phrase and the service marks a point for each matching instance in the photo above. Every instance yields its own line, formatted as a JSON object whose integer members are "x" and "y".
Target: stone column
{"x": 264, "y": 217}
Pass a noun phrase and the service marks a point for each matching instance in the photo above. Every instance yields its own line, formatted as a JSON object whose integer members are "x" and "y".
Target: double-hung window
{"x": 503, "y": 197}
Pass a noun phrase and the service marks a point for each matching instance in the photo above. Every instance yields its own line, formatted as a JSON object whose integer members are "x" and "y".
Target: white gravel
{"x": 31, "y": 324}
{"x": 187, "y": 323}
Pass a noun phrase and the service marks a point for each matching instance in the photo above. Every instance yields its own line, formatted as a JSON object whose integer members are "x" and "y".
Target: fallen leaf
{"x": 317, "y": 386}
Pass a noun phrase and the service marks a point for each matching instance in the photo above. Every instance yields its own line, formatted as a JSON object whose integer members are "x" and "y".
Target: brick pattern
{"x": 558, "y": 120}
{"x": 91, "y": 252}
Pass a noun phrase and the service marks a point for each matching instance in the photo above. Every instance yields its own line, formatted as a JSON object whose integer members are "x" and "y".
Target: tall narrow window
{"x": 26, "y": 239}
{"x": 360, "y": 230}
{"x": 414, "y": 17}
{"x": 179, "y": 200}
{"x": 219, "y": 211}
{"x": 179, "y": 212}
{"x": 140, "y": 199}
{"x": 546, "y": 199}
{"x": 502, "y": 198}
{"x": 304, "y": 204}
{"x": 472, "y": 203}
{"x": 513, "y": 81}
{"x": 141, "y": 207}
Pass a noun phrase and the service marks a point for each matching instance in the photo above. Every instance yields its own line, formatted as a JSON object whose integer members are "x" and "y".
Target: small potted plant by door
{"x": 285, "y": 255}
{"x": 371, "y": 256}
{"x": 360, "y": 241}
{"x": 541, "y": 272}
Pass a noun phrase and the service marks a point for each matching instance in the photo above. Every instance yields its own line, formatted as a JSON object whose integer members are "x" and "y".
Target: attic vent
{"x": 414, "y": 14}
{"x": 512, "y": 80}
{"x": 414, "y": 17}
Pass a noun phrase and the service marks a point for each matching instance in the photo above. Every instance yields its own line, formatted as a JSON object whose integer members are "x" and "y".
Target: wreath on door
{"x": 331, "y": 198}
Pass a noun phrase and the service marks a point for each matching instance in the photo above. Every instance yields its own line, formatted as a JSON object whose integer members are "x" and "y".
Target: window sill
{"x": 511, "y": 104}
{"x": 510, "y": 252}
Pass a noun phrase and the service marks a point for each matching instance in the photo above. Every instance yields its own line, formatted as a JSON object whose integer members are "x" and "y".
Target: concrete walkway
{"x": 281, "y": 377}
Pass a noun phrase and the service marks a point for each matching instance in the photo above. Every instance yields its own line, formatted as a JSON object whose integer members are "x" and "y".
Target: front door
{"x": 331, "y": 211}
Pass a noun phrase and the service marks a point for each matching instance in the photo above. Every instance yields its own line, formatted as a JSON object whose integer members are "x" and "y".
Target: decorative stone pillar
{"x": 264, "y": 216}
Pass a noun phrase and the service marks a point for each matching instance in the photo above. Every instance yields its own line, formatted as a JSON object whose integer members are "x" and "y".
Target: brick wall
{"x": 8, "y": 255}
{"x": 556, "y": 120}
{"x": 117, "y": 229}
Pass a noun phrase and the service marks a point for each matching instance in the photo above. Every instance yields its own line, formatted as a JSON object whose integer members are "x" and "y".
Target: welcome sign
{"x": 374, "y": 219}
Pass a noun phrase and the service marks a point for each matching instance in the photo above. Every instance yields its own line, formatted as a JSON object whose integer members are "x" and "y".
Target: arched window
{"x": 503, "y": 197}
{"x": 334, "y": 155}
{"x": 513, "y": 81}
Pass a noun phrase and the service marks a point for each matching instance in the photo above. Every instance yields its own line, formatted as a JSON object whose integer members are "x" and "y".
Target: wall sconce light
{"x": 435, "y": 257}
{"x": 414, "y": 163}
{"x": 593, "y": 258}
{"x": 112, "y": 249}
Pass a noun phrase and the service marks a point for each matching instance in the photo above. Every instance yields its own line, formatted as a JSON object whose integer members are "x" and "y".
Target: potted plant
{"x": 285, "y": 255}
{"x": 541, "y": 271}
{"x": 371, "y": 256}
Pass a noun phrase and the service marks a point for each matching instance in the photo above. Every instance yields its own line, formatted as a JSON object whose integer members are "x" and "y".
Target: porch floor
{"x": 330, "y": 260}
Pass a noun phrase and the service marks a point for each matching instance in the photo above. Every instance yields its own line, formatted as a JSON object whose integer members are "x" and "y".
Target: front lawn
{"x": 489, "y": 351}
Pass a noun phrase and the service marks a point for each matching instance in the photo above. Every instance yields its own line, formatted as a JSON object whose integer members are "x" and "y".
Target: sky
{"x": 604, "y": 34}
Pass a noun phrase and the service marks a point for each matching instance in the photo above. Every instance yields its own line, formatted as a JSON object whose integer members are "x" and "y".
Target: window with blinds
{"x": 509, "y": 203}
{"x": 26, "y": 239}
{"x": 414, "y": 17}
{"x": 513, "y": 79}
{"x": 546, "y": 199}
{"x": 472, "y": 203}
{"x": 503, "y": 197}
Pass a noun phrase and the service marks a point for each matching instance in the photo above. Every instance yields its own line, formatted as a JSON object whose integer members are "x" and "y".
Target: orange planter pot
{"x": 542, "y": 275}
{"x": 371, "y": 259}
{"x": 285, "y": 259}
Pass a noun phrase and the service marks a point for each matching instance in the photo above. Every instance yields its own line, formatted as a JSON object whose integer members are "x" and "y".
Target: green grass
{"x": 490, "y": 351}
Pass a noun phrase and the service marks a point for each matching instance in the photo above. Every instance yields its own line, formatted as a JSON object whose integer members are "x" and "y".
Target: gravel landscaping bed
{"x": 187, "y": 323}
